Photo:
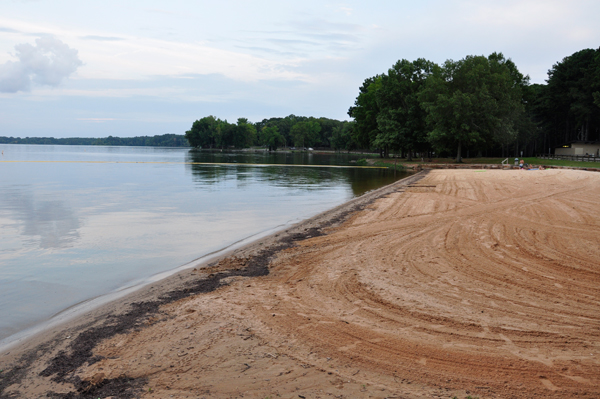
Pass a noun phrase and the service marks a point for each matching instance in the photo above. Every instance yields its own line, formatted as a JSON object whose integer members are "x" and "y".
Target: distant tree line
{"x": 273, "y": 133}
{"x": 165, "y": 140}
{"x": 482, "y": 105}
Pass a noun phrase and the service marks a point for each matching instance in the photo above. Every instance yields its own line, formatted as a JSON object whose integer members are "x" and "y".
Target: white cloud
{"x": 346, "y": 10}
{"x": 49, "y": 62}
{"x": 140, "y": 58}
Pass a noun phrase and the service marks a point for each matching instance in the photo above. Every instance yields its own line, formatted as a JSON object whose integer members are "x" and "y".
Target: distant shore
{"x": 163, "y": 140}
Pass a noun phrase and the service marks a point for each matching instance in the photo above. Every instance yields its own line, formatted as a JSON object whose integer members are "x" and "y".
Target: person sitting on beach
{"x": 523, "y": 165}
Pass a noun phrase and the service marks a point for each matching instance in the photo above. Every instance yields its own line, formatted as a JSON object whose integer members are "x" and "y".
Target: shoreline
{"x": 55, "y": 336}
{"x": 91, "y": 304}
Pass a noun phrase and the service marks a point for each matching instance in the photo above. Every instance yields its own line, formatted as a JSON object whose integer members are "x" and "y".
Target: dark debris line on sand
{"x": 80, "y": 350}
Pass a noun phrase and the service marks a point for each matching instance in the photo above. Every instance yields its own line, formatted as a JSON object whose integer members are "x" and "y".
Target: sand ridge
{"x": 466, "y": 282}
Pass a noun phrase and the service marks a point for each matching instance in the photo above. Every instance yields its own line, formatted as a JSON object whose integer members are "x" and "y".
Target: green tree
{"x": 327, "y": 130}
{"x": 270, "y": 137}
{"x": 572, "y": 97}
{"x": 305, "y": 134}
{"x": 245, "y": 134}
{"x": 365, "y": 112}
{"x": 401, "y": 121}
{"x": 471, "y": 102}
{"x": 204, "y": 133}
{"x": 342, "y": 137}
{"x": 512, "y": 94}
{"x": 284, "y": 125}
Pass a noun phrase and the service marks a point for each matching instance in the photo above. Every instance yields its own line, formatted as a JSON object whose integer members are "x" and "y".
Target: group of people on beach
{"x": 524, "y": 166}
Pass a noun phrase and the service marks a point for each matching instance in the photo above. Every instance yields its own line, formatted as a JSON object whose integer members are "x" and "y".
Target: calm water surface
{"x": 77, "y": 222}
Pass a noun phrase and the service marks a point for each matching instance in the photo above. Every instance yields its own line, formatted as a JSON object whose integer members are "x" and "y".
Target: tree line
{"x": 481, "y": 106}
{"x": 164, "y": 140}
{"x": 273, "y": 133}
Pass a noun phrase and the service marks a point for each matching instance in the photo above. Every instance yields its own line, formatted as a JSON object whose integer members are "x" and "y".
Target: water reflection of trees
{"x": 363, "y": 180}
{"x": 280, "y": 176}
{"x": 265, "y": 157}
{"x": 303, "y": 178}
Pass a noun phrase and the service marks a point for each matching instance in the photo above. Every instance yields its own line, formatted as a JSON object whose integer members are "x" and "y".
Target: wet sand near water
{"x": 450, "y": 283}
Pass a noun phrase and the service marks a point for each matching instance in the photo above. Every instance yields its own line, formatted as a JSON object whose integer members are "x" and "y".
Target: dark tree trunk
{"x": 458, "y": 153}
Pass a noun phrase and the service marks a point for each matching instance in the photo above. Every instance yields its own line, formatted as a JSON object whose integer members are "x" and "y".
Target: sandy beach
{"x": 451, "y": 283}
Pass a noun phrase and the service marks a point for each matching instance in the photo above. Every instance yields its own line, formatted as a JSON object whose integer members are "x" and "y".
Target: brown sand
{"x": 481, "y": 283}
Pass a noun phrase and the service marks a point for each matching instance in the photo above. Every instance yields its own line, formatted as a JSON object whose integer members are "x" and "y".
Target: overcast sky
{"x": 128, "y": 68}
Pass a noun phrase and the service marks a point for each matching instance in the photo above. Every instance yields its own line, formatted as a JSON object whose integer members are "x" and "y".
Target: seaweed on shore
{"x": 121, "y": 387}
{"x": 15, "y": 375}
{"x": 80, "y": 350}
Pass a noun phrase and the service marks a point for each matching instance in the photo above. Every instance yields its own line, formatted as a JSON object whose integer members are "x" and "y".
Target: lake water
{"x": 77, "y": 222}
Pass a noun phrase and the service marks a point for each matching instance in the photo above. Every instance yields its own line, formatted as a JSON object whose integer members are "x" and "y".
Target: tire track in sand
{"x": 463, "y": 280}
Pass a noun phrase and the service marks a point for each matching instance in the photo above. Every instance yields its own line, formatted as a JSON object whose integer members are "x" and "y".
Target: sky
{"x": 72, "y": 68}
